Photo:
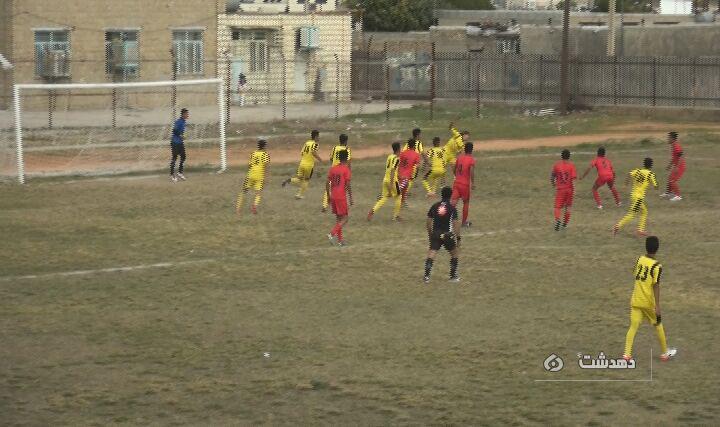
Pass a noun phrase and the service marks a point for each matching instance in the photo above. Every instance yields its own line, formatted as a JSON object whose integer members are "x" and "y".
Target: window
{"x": 188, "y": 49}
{"x": 121, "y": 53}
{"x": 257, "y": 45}
{"x": 52, "y": 53}
{"x": 508, "y": 45}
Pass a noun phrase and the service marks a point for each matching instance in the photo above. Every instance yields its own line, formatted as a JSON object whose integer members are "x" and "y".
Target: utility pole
{"x": 611, "y": 28}
{"x": 564, "y": 59}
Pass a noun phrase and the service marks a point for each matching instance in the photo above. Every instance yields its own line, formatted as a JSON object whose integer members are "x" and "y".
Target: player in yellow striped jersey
{"x": 335, "y": 159}
{"x": 641, "y": 178}
{"x": 645, "y": 300}
{"x": 420, "y": 150}
{"x": 436, "y": 172}
{"x": 308, "y": 155}
{"x": 255, "y": 178}
{"x": 455, "y": 145}
{"x": 390, "y": 187}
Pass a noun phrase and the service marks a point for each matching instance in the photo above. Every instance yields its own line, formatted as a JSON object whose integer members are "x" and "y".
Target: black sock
{"x": 453, "y": 267}
{"x": 557, "y": 225}
{"x": 428, "y": 266}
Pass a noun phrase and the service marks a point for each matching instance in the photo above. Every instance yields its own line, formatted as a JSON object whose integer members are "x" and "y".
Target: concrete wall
{"x": 447, "y": 40}
{"x": 88, "y": 20}
{"x": 681, "y": 40}
{"x": 6, "y": 20}
{"x": 541, "y": 17}
{"x": 258, "y": 6}
{"x": 309, "y": 74}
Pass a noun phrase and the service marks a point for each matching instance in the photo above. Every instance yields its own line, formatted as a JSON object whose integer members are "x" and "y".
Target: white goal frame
{"x": 35, "y": 86}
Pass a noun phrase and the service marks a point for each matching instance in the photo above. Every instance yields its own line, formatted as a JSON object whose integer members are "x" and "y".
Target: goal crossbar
{"x": 17, "y": 107}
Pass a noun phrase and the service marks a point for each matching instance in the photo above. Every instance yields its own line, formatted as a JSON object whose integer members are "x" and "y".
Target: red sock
{"x": 557, "y": 214}
{"x": 466, "y": 210}
{"x": 596, "y": 196}
{"x": 567, "y": 217}
{"x": 674, "y": 188}
{"x": 616, "y": 196}
{"x": 334, "y": 230}
{"x": 339, "y": 232}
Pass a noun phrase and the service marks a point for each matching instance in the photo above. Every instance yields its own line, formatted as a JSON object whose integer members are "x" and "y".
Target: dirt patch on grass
{"x": 121, "y": 160}
{"x": 664, "y": 127}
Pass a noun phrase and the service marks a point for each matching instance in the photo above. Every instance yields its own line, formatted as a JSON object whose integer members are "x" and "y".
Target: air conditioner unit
{"x": 309, "y": 38}
{"x": 55, "y": 64}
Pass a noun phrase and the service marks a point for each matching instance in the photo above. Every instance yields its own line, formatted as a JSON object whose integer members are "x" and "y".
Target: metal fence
{"x": 411, "y": 73}
{"x": 535, "y": 79}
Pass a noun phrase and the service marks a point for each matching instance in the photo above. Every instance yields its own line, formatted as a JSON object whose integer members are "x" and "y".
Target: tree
{"x": 561, "y": 5}
{"x": 394, "y": 15}
{"x": 625, "y": 6}
{"x": 467, "y": 4}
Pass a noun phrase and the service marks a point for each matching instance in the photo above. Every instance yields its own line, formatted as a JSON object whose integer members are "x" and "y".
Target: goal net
{"x": 113, "y": 128}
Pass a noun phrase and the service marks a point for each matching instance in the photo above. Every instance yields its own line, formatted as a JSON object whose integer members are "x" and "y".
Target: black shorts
{"x": 177, "y": 150}
{"x": 441, "y": 239}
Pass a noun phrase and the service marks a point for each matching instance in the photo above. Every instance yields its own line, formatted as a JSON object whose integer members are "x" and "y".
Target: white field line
{"x": 320, "y": 248}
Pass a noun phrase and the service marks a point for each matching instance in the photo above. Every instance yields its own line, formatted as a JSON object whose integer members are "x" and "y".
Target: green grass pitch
{"x": 352, "y": 334}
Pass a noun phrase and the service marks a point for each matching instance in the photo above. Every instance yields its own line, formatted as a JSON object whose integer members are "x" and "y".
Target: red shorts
{"x": 676, "y": 174}
{"x": 563, "y": 197}
{"x": 339, "y": 206}
{"x": 461, "y": 191}
{"x": 600, "y": 181}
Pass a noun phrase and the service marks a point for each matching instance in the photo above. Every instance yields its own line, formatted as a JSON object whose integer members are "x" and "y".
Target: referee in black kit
{"x": 442, "y": 223}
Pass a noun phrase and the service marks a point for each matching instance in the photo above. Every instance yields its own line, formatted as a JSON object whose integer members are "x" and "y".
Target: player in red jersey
{"x": 676, "y": 168}
{"x": 464, "y": 181}
{"x": 606, "y": 175}
{"x": 408, "y": 161}
{"x": 562, "y": 176}
{"x": 337, "y": 186}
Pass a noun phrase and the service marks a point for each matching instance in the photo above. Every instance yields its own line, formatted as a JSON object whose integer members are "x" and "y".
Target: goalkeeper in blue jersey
{"x": 177, "y": 145}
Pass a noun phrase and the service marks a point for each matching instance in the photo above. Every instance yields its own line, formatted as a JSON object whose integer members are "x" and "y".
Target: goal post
{"x": 69, "y": 124}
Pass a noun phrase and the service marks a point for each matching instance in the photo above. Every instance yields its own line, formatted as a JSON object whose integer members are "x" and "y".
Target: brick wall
{"x": 300, "y": 68}
{"x": 88, "y": 20}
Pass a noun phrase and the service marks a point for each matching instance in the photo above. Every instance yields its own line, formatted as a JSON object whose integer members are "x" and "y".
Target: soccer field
{"x": 135, "y": 301}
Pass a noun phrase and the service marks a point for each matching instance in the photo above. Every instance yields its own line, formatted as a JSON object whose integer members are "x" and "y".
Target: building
{"x": 295, "y": 49}
{"x": 90, "y": 41}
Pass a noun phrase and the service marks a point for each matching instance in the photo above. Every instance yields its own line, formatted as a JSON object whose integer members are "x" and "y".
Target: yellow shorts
{"x": 253, "y": 183}
{"x": 435, "y": 174}
{"x": 648, "y": 313}
{"x": 390, "y": 189}
{"x": 304, "y": 172}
